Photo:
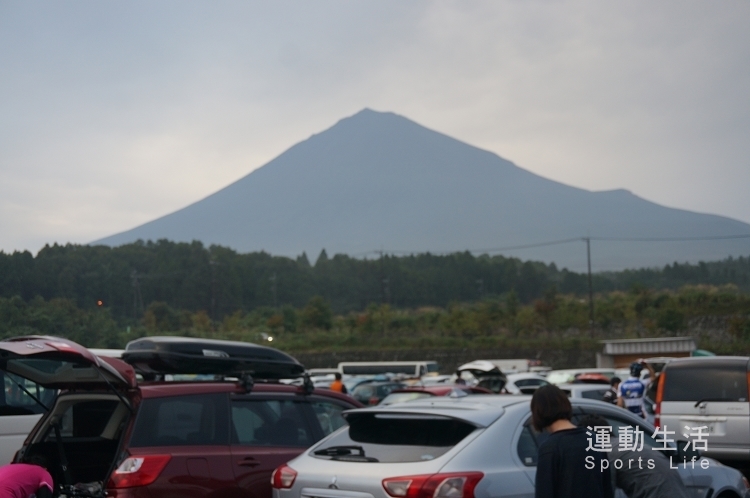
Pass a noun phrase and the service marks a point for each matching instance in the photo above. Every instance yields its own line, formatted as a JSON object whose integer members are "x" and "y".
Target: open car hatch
{"x": 58, "y": 363}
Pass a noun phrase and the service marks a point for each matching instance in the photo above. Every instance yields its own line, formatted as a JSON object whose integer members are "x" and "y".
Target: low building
{"x": 621, "y": 353}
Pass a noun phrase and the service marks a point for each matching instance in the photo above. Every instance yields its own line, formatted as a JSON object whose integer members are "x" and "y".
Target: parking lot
{"x": 179, "y": 417}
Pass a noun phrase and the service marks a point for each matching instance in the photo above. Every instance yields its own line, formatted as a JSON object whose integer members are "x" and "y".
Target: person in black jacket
{"x": 613, "y": 392}
{"x": 567, "y": 467}
{"x": 647, "y": 474}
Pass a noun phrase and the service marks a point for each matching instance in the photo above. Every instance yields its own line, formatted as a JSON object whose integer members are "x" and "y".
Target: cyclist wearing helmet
{"x": 633, "y": 389}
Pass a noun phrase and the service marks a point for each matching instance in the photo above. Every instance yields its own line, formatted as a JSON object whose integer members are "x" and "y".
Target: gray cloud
{"x": 112, "y": 114}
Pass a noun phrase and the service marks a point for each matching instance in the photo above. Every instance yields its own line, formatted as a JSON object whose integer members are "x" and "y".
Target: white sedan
{"x": 524, "y": 383}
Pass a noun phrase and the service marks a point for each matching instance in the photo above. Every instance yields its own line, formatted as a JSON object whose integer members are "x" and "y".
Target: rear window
{"x": 594, "y": 394}
{"x": 21, "y": 396}
{"x": 182, "y": 420}
{"x": 709, "y": 381}
{"x": 531, "y": 382}
{"x": 401, "y": 397}
{"x": 386, "y": 437}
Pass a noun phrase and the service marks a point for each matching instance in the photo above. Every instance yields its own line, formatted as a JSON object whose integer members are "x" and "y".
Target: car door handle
{"x": 248, "y": 462}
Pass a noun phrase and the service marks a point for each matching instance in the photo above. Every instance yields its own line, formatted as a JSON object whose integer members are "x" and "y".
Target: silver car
{"x": 588, "y": 391}
{"x": 524, "y": 383}
{"x": 468, "y": 447}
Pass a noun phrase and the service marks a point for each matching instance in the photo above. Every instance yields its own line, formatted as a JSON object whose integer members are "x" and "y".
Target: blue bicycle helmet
{"x": 635, "y": 369}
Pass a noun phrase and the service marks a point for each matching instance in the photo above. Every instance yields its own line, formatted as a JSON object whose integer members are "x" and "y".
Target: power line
{"x": 671, "y": 239}
{"x": 567, "y": 241}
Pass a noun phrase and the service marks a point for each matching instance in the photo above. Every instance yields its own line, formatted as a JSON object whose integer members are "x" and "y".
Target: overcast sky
{"x": 114, "y": 113}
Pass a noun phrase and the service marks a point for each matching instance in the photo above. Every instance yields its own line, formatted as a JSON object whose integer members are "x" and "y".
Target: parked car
{"x": 524, "y": 383}
{"x": 469, "y": 447}
{"x": 431, "y": 380}
{"x": 587, "y": 391}
{"x": 712, "y": 392}
{"x": 420, "y": 392}
{"x": 591, "y": 378}
{"x": 19, "y": 411}
{"x": 351, "y": 382}
{"x": 569, "y": 375}
{"x": 483, "y": 373}
{"x": 372, "y": 393}
{"x": 169, "y": 439}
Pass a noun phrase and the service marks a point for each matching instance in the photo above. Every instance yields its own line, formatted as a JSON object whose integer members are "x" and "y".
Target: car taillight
{"x": 283, "y": 477}
{"x": 746, "y": 482}
{"x": 448, "y": 485}
{"x": 373, "y": 401}
{"x": 138, "y": 471}
{"x": 659, "y": 396}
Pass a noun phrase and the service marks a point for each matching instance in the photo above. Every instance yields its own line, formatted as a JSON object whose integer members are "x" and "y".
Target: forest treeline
{"x": 220, "y": 282}
{"x": 717, "y": 317}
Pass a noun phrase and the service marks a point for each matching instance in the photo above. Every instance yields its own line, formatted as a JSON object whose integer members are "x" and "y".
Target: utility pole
{"x": 137, "y": 297}
{"x": 383, "y": 293}
{"x": 591, "y": 291}
{"x": 382, "y": 280}
{"x": 212, "y": 264}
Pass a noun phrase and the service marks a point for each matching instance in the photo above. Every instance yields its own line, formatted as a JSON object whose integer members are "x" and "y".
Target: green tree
{"x": 317, "y": 314}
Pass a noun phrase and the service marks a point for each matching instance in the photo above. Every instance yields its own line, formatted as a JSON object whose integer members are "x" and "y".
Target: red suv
{"x": 109, "y": 434}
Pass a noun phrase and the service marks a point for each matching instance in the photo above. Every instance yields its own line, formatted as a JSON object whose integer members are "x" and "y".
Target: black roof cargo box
{"x": 186, "y": 355}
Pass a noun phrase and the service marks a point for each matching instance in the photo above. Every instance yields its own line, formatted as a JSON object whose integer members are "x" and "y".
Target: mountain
{"x": 378, "y": 180}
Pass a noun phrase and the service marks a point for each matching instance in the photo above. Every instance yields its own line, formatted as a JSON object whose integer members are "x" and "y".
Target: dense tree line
{"x": 718, "y": 317}
{"x": 219, "y": 282}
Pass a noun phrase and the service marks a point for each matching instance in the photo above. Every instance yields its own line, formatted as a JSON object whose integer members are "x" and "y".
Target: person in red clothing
{"x": 337, "y": 385}
{"x": 25, "y": 480}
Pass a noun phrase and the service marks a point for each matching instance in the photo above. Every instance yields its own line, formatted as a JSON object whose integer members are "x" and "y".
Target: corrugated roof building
{"x": 621, "y": 353}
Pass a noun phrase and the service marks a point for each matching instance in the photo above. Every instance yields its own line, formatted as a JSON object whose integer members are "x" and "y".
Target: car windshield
{"x": 393, "y": 438}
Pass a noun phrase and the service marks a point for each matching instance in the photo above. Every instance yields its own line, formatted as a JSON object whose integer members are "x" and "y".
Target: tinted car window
{"x": 394, "y": 429}
{"x": 527, "y": 447}
{"x": 401, "y": 397}
{"x": 695, "y": 382}
{"x": 269, "y": 423}
{"x": 593, "y": 394}
{"x": 364, "y": 391}
{"x": 182, "y": 420}
{"x": 394, "y": 438}
{"x": 17, "y": 396}
{"x": 531, "y": 382}
{"x": 329, "y": 416}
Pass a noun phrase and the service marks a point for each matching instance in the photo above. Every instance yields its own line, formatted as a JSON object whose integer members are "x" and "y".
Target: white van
{"x": 409, "y": 368}
{"x": 709, "y": 392}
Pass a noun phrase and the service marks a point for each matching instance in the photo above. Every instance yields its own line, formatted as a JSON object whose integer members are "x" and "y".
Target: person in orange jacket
{"x": 337, "y": 385}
